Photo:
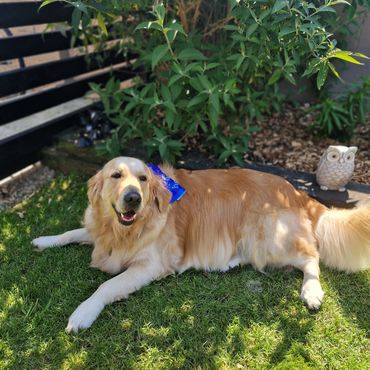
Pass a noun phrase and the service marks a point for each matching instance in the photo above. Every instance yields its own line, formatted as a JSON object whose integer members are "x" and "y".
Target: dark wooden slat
{"x": 48, "y": 98}
{"x": 38, "y": 43}
{"x": 27, "y": 78}
{"x": 26, "y": 13}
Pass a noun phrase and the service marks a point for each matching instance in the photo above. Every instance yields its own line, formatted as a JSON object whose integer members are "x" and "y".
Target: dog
{"x": 225, "y": 219}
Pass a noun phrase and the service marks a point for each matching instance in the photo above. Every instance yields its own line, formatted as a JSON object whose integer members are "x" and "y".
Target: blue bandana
{"x": 176, "y": 189}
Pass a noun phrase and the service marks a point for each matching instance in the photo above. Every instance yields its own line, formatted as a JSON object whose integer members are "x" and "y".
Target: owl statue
{"x": 336, "y": 167}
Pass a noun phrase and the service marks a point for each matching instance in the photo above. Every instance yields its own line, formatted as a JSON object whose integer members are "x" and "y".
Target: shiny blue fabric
{"x": 176, "y": 189}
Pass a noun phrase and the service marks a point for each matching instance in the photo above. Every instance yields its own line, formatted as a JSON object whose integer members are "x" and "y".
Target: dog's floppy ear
{"x": 94, "y": 186}
{"x": 160, "y": 194}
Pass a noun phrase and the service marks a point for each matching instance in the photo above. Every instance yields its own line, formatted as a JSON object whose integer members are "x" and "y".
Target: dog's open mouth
{"x": 126, "y": 218}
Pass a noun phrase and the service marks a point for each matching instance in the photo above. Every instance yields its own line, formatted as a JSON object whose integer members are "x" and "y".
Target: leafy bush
{"x": 337, "y": 118}
{"x": 213, "y": 67}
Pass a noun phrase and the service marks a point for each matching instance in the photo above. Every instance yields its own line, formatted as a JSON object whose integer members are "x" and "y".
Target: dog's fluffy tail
{"x": 344, "y": 238}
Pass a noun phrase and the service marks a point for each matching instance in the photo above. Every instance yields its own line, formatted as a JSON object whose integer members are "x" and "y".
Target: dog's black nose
{"x": 132, "y": 198}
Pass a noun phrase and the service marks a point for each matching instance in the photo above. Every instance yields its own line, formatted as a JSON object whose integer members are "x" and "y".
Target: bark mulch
{"x": 284, "y": 140}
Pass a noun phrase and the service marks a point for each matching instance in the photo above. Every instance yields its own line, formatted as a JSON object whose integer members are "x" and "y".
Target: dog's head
{"x": 126, "y": 188}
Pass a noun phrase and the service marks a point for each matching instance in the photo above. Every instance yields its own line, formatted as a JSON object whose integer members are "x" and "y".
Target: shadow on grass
{"x": 193, "y": 320}
{"x": 196, "y": 319}
{"x": 353, "y": 292}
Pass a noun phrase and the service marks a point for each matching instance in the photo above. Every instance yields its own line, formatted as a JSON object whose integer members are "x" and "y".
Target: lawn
{"x": 240, "y": 319}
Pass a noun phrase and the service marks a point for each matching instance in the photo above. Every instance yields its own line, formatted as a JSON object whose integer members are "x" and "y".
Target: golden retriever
{"x": 226, "y": 218}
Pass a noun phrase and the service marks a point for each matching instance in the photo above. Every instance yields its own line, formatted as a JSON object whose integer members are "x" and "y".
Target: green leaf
{"x": 274, "y": 77}
{"x": 131, "y": 105}
{"x": 285, "y": 31}
{"x": 191, "y": 53}
{"x": 336, "y": 121}
{"x": 203, "y": 126}
{"x": 321, "y": 76}
{"x": 253, "y": 14}
{"x": 170, "y": 117}
{"x": 177, "y": 69}
{"x": 46, "y": 2}
{"x": 158, "y": 53}
{"x": 229, "y": 27}
{"x": 75, "y": 19}
{"x": 211, "y": 66}
{"x": 279, "y": 4}
{"x": 289, "y": 77}
{"x": 149, "y": 25}
{"x": 339, "y": 2}
{"x": 160, "y": 11}
{"x": 224, "y": 155}
{"x": 327, "y": 9}
{"x": 200, "y": 98}
{"x": 176, "y": 90}
{"x": 80, "y": 6}
{"x": 195, "y": 83}
{"x": 174, "y": 79}
{"x": 165, "y": 92}
{"x": 175, "y": 26}
{"x": 312, "y": 67}
{"x": 345, "y": 55}
{"x": 175, "y": 144}
{"x": 170, "y": 105}
{"x": 205, "y": 82}
{"x": 264, "y": 14}
{"x": 240, "y": 61}
{"x": 214, "y": 100}
{"x": 162, "y": 150}
{"x": 331, "y": 66}
{"x": 251, "y": 29}
{"x": 213, "y": 116}
{"x": 101, "y": 24}
{"x": 348, "y": 58}
{"x": 195, "y": 67}
{"x": 143, "y": 25}
{"x": 360, "y": 55}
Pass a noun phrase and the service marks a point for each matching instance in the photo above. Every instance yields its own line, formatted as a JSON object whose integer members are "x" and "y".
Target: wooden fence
{"x": 23, "y": 129}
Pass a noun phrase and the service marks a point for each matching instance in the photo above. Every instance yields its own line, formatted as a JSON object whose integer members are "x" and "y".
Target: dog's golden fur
{"x": 227, "y": 218}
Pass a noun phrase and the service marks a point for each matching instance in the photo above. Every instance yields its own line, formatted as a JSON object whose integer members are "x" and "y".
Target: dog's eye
{"x": 116, "y": 175}
{"x": 143, "y": 178}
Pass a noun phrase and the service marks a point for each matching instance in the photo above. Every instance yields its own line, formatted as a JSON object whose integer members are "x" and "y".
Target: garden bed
{"x": 285, "y": 140}
{"x": 284, "y": 145}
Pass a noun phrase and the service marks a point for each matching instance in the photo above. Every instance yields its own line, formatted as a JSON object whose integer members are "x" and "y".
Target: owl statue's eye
{"x": 333, "y": 156}
{"x": 350, "y": 157}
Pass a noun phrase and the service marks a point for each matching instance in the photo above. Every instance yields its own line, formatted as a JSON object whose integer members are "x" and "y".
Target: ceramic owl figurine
{"x": 336, "y": 167}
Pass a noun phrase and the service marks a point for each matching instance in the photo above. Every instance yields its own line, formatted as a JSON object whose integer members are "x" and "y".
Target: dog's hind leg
{"x": 308, "y": 261}
{"x": 72, "y": 236}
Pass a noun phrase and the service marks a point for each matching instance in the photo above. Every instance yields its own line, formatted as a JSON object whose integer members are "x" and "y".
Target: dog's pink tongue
{"x": 128, "y": 216}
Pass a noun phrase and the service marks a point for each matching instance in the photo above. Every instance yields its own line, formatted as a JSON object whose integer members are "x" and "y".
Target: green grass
{"x": 195, "y": 320}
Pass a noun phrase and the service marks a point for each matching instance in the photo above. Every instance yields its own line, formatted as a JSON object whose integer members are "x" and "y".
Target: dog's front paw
{"x": 312, "y": 294}
{"x": 84, "y": 315}
{"x": 44, "y": 242}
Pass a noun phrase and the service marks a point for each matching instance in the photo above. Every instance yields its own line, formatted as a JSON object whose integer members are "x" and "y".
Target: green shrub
{"x": 214, "y": 67}
{"x": 338, "y": 117}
